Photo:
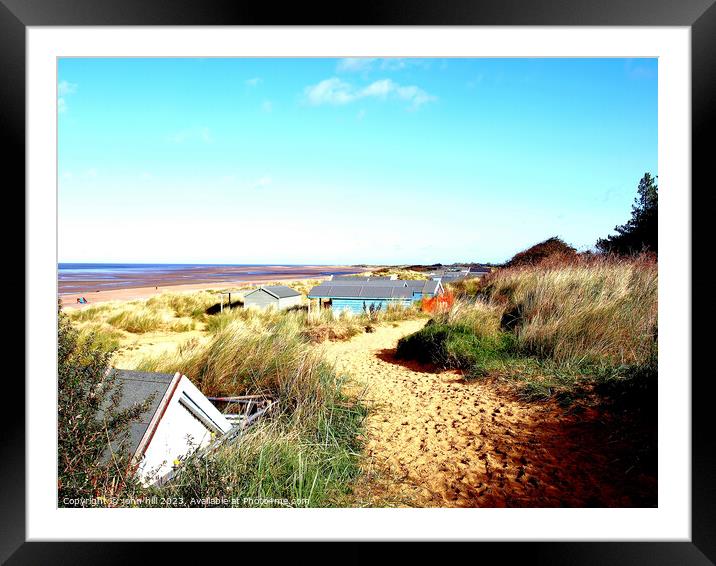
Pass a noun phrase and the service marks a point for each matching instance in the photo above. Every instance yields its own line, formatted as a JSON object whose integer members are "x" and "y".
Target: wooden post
{"x": 229, "y": 301}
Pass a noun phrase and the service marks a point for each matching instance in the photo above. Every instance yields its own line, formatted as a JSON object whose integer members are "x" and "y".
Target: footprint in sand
{"x": 424, "y": 451}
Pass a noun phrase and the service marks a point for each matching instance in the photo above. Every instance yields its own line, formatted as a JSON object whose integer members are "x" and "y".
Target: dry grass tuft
{"x": 191, "y": 305}
{"x": 597, "y": 310}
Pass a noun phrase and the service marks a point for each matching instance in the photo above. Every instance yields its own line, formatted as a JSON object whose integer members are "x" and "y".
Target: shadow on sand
{"x": 388, "y": 356}
{"x": 216, "y": 309}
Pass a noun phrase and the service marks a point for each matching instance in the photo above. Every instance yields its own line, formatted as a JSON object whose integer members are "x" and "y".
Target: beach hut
{"x": 452, "y": 274}
{"x": 179, "y": 420}
{"x": 425, "y": 289}
{"x": 414, "y": 288}
{"x": 360, "y": 296}
{"x": 276, "y": 296}
{"x": 362, "y": 278}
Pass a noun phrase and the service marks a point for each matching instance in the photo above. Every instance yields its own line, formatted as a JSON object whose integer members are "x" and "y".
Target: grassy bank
{"x": 168, "y": 312}
{"x": 306, "y": 454}
{"x": 300, "y": 460}
{"x": 551, "y": 329}
{"x": 183, "y": 312}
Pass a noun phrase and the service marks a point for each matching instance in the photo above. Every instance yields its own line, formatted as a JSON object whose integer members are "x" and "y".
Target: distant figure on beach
{"x": 82, "y": 300}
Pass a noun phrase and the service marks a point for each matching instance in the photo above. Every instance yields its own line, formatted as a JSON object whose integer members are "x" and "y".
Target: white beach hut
{"x": 179, "y": 420}
{"x": 276, "y": 296}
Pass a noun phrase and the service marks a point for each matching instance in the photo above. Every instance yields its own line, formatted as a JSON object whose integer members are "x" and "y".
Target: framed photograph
{"x": 404, "y": 279}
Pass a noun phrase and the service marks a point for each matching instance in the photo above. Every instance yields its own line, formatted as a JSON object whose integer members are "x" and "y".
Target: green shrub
{"x": 456, "y": 346}
{"x": 89, "y": 422}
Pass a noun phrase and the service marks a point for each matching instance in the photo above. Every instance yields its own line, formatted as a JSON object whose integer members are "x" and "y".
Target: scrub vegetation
{"x": 88, "y": 421}
{"x": 307, "y": 454}
{"x": 119, "y": 324}
{"x": 554, "y": 327}
{"x": 577, "y": 331}
{"x": 304, "y": 455}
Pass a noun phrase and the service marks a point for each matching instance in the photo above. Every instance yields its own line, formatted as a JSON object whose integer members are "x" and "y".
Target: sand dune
{"x": 434, "y": 440}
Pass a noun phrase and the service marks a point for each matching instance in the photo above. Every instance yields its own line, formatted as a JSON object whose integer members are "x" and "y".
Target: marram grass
{"x": 551, "y": 328}
{"x": 307, "y": 455}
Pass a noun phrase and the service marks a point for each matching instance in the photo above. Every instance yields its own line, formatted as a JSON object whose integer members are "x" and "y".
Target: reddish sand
{"x": 433, "y": 439}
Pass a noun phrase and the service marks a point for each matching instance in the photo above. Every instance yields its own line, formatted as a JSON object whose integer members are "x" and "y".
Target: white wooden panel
{"x": 185, "y": 427}
{"x": 288, "y": 302}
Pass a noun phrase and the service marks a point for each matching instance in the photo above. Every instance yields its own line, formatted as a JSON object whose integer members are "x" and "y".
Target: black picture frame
{"x": 699, "y": 15}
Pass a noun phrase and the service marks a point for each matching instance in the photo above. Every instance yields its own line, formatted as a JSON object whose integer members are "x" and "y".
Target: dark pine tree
{"x": 639, "y": 234}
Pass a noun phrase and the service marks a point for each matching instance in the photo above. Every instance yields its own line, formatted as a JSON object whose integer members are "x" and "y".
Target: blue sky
{"x": 347, "y": 160}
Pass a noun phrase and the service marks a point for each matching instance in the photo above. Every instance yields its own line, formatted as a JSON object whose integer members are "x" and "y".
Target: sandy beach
{"x": 202, "y": 279}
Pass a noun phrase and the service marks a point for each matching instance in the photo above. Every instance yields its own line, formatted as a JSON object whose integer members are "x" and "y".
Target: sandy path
{"x": 434, "y": 440}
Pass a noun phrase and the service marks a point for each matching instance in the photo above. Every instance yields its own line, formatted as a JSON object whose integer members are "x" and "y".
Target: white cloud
{"x": 256, "y": 81}
{"x": 396, "y": 64}
{"x": 416, "y": 96}
{"x": 365, "y": 64}
{"x": 381, "y": 88}
{"x": 64, "y": 88}
{"x": 337, "y": 92}
{"x": 330, "y": 91}
{"x": 355, "y": 64}
{"x": 267, "y": 106}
